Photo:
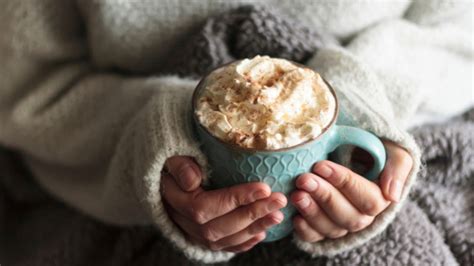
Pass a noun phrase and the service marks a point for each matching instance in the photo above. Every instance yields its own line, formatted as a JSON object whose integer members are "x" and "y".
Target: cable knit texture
{"x": 85, "y": 105}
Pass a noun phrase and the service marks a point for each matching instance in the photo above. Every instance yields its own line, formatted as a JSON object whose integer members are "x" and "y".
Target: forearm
{"x": 82, "y": 147}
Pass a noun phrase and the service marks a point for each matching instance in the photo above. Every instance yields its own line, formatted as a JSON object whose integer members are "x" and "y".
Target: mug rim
{"x": 255, "y": 150}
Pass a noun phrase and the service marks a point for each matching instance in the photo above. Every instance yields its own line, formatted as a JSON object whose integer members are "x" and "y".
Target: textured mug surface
{"x": 279, "y": 169}
{"x": 231, "y": 165}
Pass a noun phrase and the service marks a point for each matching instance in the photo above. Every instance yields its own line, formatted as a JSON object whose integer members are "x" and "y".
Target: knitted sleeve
{"x": 96, "y": 140}
{"x": 383, "y": 75}
{"x": 364, "y": 104}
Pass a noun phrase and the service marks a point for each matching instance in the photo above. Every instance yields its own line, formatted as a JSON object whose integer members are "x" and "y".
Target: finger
{"x": 240, "y": 218}
{"x": 305, "y": 231}
{"x": 193, "y": 231}
{"x": 365, "y": 195}
{"x": 202, "y": 206}
{"x": 395, "y": 173}
{"x": 247, "y": 245}
{"x": 257, "y": 227}
{"x": 176, "y": 198}
{"x": 335, "y": 205}
{"x": 185, "y": 171}
{"x": 187, "y": 226}
{"x": 315, "y": 217}
{"x": 211, "y": 204}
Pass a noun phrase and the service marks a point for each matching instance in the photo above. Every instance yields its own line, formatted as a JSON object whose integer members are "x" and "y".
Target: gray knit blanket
{"x": 435, "y": 227}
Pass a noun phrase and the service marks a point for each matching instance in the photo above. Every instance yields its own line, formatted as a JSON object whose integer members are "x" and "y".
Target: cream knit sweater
{"x": 79, "y": 101}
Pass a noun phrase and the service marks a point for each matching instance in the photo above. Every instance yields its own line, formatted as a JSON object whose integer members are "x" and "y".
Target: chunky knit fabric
{"x": 433, "y": 228}
{"x": 244, "y": 33}
{"x": 84, "y": 105}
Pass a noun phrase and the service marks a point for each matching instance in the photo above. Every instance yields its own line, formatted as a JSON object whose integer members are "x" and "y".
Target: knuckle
{"x": 336, "y": 234}
{"x": 354, "y": 225}
{"x": 227, "y": 200}
{"x": 371, "y": 208}
{"x": 312, "y": 211}
{"x": 208, "y": 234}
{"x": 232, "y": 197}
{"x": 346, "y": 181}
{"x": 213, "y": 246}
{"x": 325, "y": 197}
{"x": 199, "y": 216}
{"x": 197, "y": 213}
{"x": 253, "y": 213}
{"x": 357, "y": 224}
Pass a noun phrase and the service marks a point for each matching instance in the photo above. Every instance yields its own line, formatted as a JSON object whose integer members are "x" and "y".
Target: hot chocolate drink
{"x": 265, "y": 103}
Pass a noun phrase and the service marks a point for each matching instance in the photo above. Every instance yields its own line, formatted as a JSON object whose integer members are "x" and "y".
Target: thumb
{"x": 185, "y": 171}
{"x": 396, "y": 171}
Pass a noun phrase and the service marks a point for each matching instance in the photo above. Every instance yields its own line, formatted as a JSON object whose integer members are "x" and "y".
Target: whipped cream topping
{"x": 265, "y": 103}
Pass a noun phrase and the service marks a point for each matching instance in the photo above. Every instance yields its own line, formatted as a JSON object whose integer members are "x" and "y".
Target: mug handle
{"x": 344, "y": 135}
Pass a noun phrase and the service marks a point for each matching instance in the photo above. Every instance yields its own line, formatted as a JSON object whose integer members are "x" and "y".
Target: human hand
{"x": 333, "y": 201}
{"x": 233, "y": 219}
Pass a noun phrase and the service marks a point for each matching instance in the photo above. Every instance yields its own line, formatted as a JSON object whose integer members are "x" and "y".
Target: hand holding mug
{"x": 232, "y": 219}
{"x": 333, "y": 200}
{"x": 269, "y": 120}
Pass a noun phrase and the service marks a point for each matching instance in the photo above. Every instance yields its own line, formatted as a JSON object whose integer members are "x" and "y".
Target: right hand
{"x": 232, "y": 219}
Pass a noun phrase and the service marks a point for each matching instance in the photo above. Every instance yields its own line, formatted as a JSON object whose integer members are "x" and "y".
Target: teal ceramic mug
{"x": 231, "y": 164}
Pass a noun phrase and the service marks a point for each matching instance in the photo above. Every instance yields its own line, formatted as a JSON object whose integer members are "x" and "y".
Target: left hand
{"x": 333, "y": 200}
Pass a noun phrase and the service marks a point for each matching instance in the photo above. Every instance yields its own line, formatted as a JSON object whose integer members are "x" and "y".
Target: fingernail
{"x": 324, "y": 171}
{"x": 395, "y": 189}
{"x": 260, "y": 194}
{"x": 188, "y": 176}
{"x": 275, "y": 205}
{"x": 303, "y": 203}
{"x": 310, "y": 185}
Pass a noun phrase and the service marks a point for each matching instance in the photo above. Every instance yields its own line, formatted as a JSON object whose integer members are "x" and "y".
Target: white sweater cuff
{"x": 168, "y": 132}
{"x": 362, "y": 96}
